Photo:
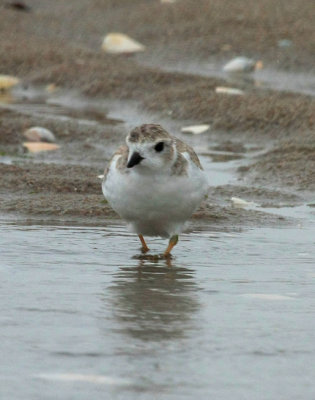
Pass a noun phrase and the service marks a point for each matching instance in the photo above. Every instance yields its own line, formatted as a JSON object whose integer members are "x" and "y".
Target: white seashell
{"x": 240, "y": 203}
{"x": 120, "y": 43}
{"x": 242, "y": 64}
{"x": 7, "y": 81}
{"x": 38, "y": 134}
{"x": 195, "y": 129}
{"x": 100, "y": 176}
{"x": 36, "y": 147}
{"x": 228, "y": 90}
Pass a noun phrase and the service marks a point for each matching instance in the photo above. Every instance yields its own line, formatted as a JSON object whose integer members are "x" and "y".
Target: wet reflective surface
{"x": 231, "y": 316}
{"x": 267, "y": 78}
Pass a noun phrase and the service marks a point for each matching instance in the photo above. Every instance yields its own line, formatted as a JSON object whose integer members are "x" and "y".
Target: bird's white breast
{"x": 154, "y": 203}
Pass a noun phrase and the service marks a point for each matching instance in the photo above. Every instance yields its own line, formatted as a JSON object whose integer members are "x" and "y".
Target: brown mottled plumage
{"x": 180, "y": 166}
{"x": 123, "y": 152}
{"x": 152, "y": 133}
{"x": 147, "y": 133}
{"x": 183, "y": 147}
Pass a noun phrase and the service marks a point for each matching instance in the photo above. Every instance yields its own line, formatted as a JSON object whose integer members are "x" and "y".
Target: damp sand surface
{"x": 82, "y": 314}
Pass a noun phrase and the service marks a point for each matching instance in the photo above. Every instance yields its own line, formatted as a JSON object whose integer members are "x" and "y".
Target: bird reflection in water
{"x": 154, "y": 300}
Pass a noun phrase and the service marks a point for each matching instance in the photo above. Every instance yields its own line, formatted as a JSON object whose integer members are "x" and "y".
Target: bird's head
{"x": 151, "y": 148}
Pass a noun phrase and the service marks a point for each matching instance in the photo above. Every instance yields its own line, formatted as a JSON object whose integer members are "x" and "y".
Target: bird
{"x": 242, "y": 64}
{"x": 154, "y": 182}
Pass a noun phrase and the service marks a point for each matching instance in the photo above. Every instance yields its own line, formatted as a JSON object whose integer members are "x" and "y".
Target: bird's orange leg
{"x": 144, "y": 248}
{"x": 173, "y": 241}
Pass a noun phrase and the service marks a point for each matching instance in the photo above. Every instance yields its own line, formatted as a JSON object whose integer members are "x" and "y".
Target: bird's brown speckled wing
{"x": 183, "y": 147}
{"x": 121, "y": 164}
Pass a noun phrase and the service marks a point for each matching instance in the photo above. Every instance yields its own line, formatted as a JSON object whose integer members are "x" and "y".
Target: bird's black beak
{"x": 134, "y": 160}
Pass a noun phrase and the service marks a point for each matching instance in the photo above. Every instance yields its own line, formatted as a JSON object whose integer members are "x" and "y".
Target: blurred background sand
{"x": 187, "y": 43}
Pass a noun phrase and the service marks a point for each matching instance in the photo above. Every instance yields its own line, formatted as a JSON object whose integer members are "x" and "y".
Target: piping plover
{"x": 154, "y": 182}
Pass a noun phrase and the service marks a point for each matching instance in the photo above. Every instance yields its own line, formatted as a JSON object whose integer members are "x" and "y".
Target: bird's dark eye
{"x": 159, "y": 146}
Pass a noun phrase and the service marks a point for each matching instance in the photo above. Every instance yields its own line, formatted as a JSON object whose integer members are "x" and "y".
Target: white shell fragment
{"x": 195, "y": 129}
{"x": 38, "y": 134}
{"x": 7, "y": 82}
{"x": 100, "y": 176}
{"x": 228, "y": 90}
{"x": 242, "y": 64}
{"x": 116, "y": 43}
{"x": 240, "y": 203}
{"x": 36, "y": 147}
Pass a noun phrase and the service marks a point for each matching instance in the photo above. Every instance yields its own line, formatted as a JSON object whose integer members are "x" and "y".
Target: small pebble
{"x": 18, "y": 5}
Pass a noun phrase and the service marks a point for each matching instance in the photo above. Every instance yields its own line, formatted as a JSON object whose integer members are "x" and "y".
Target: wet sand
{"x": 60, "y": 44}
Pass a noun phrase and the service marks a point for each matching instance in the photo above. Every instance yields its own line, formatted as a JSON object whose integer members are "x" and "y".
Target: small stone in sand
{"x": 18, "y": 5}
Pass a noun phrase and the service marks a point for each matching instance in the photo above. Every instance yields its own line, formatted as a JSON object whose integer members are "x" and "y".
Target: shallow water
{"x": 232, "y": 316}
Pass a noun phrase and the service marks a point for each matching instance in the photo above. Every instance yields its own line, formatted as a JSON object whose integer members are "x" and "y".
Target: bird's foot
{"x": 153, "y": 257}
{"x": 144, "y": 249}
{"x": 166, "y": 256}
{"x": 173, "y": 242}
{"x": 147, "y": 257}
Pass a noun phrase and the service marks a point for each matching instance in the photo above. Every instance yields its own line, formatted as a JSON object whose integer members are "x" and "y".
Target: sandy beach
{"x": 61, "y": 45}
